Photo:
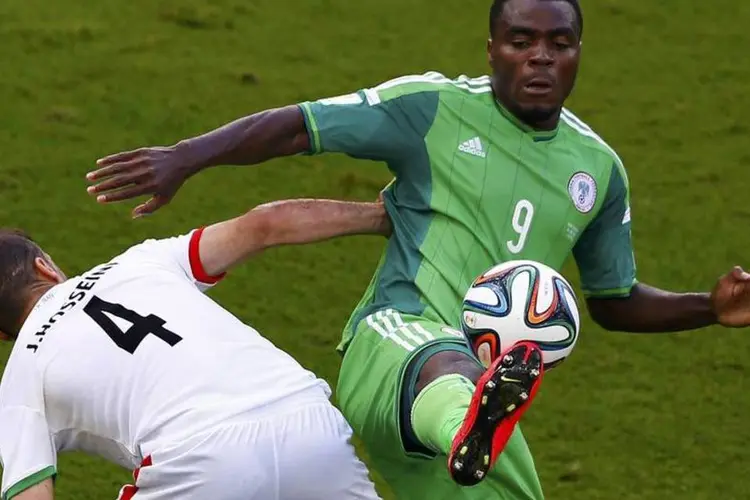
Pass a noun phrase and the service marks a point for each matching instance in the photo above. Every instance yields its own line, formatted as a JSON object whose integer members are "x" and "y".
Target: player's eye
{"x": 562, "y": 43}
{"x": 520, "y": 43}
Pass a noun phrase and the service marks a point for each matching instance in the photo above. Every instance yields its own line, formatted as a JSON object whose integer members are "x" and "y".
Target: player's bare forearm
{"x": 288, "y": 222}
{"x": 41, "y": 491}
{"x": 300, "y": 221}
{"x": 650, "y": 310}
{"x": 160, "y": 171}
{"x": 250, "y": 140}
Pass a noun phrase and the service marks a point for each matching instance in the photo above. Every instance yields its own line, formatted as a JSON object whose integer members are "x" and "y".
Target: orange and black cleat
{"x": 502, "y": 396}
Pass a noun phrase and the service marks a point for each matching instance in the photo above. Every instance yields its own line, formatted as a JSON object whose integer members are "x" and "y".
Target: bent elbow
{"x": 604, "y": 313}
{"x": 604, "y": 322}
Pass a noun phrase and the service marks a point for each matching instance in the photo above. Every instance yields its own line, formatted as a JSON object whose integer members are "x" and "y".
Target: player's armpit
{"x": 288, "y": 222}
{"x": 40, "y": 491}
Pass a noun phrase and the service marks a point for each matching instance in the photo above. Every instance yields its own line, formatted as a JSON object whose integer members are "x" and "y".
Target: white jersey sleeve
{"x": 178, "y": 255}
{"x": 27, "y": 451}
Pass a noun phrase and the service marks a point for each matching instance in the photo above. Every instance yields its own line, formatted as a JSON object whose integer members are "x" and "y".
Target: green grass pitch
{"x": 665, "y": 83}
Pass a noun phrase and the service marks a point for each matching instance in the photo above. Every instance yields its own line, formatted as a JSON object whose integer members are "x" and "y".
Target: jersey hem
{"x": 311, "y": 125}
{"x": 609, "y": 293}
{"x": 28, "y": 482}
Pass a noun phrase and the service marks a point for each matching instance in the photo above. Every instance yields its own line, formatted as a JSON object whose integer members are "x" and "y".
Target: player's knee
{"x": 447, "y": 362}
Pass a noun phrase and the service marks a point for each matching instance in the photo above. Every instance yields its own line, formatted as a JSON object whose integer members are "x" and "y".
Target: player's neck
{"x": 544, "y": 123}
{"x": 37, "y": 290}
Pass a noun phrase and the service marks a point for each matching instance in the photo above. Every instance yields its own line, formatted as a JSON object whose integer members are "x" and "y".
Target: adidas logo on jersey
{"x": 473, "y": 147}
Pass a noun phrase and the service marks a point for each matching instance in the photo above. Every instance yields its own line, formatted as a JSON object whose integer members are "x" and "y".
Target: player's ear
{"x": 489, "y": 50}
{"x": 5, "y": 337}
{"x": 48, "y": 270}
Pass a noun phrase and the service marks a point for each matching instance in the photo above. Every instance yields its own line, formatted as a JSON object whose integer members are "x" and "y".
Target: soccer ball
{"x": 517, "y": 301}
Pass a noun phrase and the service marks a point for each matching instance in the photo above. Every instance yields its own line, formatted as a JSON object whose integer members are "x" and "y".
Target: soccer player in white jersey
{"x": 130, "y": 361}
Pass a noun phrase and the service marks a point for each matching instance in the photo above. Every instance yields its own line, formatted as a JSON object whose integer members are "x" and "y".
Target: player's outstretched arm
{"x": 386, "y": 123}
{"x": 605, "y": 258}
{"x": 648, "y": 309}
{"x": 160, "y": 171}
{"x": 651, "y": 310}
{"x": 289, "y": 222}
{"x": 40, "y": 491}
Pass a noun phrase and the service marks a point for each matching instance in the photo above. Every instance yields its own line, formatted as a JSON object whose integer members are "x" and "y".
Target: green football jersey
{"x": 475, "y": 187}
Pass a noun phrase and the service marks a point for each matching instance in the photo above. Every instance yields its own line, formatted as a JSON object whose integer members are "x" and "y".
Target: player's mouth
{"x": 539, "y": 86}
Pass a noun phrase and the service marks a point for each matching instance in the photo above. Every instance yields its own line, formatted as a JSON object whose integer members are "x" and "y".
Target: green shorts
{"x": 375, "y": 391}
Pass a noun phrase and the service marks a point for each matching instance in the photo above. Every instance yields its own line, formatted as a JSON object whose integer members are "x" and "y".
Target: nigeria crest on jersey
{"x": 582, "y": 189}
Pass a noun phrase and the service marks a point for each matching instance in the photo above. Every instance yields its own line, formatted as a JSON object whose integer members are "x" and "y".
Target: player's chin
{"x": 538, "y": 112}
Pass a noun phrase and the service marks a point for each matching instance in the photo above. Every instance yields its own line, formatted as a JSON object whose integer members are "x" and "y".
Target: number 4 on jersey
{"x": 141, "y": 326}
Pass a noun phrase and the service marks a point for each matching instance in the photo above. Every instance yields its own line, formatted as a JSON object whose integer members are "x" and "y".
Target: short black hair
{"x": 17, "y": 273}
{"x": 496, "y": 10}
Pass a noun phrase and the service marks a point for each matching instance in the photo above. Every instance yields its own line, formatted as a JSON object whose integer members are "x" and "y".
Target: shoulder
{"x": 174, "y": 255}
{"x": 156, "y": 248}
{"x": 586, "y": 138}
{"x": 431, "y": 82}
{"x": 147, "y": 259}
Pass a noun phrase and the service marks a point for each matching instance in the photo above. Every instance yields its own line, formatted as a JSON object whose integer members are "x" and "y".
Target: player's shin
{"x": 439, "y": 411}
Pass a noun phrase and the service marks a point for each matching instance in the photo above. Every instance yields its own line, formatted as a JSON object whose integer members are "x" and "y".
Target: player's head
{"x": 534, "y": 49}
{"x": 26, "y": 272}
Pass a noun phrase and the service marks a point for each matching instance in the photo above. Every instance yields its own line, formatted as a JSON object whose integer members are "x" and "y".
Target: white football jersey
{"x": 129, "y": 356}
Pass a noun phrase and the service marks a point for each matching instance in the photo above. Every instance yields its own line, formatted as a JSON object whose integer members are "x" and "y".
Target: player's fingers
{"x": 125, "y": 193}
{"x": 151, "y": 206}
{"x": 141, "y": 210}
{"x": 117, "y": 182}
{"x": 739, "y": 274}
{"x": 118, "y": 157}
{"x": 115, "y": 168}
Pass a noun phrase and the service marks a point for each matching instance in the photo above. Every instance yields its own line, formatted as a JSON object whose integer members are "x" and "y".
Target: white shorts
{"x": 300, "y": 454}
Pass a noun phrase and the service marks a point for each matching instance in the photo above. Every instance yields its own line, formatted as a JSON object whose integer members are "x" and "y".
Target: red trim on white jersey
{"x": 196, "y": 266}
{"x": 128, "y": 491}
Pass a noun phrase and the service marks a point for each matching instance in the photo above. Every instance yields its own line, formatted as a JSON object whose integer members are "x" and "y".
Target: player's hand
{"x": 155, "y": 171}
{"x": 730, "y": 298}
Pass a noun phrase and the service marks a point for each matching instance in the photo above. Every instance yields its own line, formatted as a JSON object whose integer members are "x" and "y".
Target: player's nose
{"x": 541, "y": 55}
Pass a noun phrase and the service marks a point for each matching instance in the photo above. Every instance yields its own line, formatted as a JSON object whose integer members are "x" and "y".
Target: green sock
{"x": 439, "y": 411}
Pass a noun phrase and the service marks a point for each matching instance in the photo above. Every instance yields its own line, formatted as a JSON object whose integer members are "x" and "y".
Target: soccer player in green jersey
{"x": 486, "y": 170}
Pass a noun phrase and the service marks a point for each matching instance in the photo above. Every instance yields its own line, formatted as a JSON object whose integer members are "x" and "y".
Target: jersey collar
{"x": 47, "y": 296}
{"x": 536, "y": 135}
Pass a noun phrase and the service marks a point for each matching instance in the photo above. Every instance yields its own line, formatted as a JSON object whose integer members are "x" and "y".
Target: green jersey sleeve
{"x": 604, "y": 253}
{"x": 385, "y": 123}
